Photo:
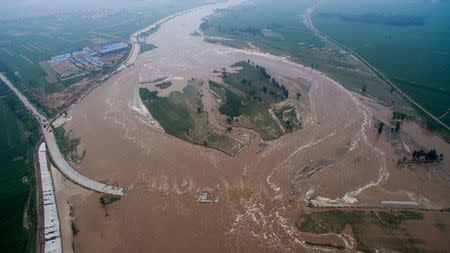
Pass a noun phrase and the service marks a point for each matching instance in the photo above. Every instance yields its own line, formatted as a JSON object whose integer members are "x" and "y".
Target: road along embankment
{"x": 55, "y": 153}
{"x": 52, "y": 232}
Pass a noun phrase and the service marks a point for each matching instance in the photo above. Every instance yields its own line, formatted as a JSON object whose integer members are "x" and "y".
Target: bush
{"x": 108, "y": 199}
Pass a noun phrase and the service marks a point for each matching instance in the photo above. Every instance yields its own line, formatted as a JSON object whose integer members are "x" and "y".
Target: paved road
{"x": 55, "y": 153}
{"x": 52, "y": 232}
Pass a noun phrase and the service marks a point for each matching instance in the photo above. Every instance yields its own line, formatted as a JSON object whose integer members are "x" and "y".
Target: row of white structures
{"x": 51, "y": 221}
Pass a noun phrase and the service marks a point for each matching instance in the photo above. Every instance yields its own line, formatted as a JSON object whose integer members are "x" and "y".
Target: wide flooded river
{"x": 337, "y": 158}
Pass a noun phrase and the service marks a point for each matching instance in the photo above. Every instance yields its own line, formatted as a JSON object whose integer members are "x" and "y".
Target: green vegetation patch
{"x": 308, "y": 224}
{"x": 67, "y": 145}
{"x": 370, "y": 232}
{"x": 288, "y": 118}
{"x": 246, "y": 97}
{"x": 276, "y": 29}
{"x": 181, "y": 114}
{"x": 144, "y": 47}
{"x": 108, "y": 199}
{"x": 232, "y": 105}
{"x": 255, "y": 83}
{"x": 396, "y": 218}
{"x": 173, "y": 117}
{"x": 164, "y": 85}
{"x": 19, "y": 133}
{"x": 339, "y": 247}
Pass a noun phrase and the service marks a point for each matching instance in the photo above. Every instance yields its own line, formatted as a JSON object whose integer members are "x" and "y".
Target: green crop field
{"x": 27, "y": 41}
{"x": 414, "y": 55}
{"x": 18, "y": 135}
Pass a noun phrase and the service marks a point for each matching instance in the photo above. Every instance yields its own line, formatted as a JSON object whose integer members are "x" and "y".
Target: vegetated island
{"x": 164, "y": 85}
{"x": 250, "y": 98}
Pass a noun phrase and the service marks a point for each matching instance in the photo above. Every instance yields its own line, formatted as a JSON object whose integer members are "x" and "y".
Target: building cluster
{"x": 90, "y": 58}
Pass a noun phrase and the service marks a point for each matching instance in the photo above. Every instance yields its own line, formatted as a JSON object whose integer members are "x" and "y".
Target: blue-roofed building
{"x": 110, "y": 48}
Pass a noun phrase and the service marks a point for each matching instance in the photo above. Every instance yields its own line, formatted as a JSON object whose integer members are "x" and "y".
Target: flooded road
{"x": 337, "y": 158}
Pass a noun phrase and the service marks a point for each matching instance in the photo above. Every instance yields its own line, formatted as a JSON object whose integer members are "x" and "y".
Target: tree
{"x": 298, "y": 95}
{"x": 380, "y": 127}
{"x": 265, "y": 89}
{"x": 285, "y": 91}
{"x": 397, "y": 126}
{"x": 431, "y": 155}
{"x": 364, "y": 88}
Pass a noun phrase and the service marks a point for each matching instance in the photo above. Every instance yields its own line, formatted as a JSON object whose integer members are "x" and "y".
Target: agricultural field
{"x": 420, "y": 68}
{"x": 375, "y": 229}
{"x": 28, "y": 41}
{"x": 18, "y": 135}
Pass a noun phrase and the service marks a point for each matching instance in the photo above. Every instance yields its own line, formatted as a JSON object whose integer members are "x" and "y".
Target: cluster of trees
{"x": 275, "y": 83}
{"x": 397, "y": 127}
{"x": 263, "y": 72}
{"x": 380, "y": 127}
{"x": 285, "y": 91}
{"x": 230, "y": 29}
{"x": 399, "y": 115}
{"x": 427, "y": 156}
{"x": 30, "y": 123}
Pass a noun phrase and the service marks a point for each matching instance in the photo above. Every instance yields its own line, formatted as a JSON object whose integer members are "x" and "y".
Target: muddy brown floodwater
{"x": 338, "y": 158}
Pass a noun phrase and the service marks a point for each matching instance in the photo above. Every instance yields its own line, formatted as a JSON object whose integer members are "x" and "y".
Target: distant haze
{"x": 14, "y": 8}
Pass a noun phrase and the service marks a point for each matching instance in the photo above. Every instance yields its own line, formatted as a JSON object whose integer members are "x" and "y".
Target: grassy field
{"x": 174, "y": 117}
{"x": 182, "y": 115}
{"x": 18, "y": 135}
{"x": 146, "y": 47}
{"x": 68, "y": 145}
{"x": 247, "y": 96}
{"x": 372, "y": 230}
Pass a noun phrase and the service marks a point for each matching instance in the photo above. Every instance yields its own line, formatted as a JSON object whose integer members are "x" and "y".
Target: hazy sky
{"x": 11, "y": 8}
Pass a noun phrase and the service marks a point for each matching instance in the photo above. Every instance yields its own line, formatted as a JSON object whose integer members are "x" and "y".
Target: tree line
{"x": 422, "y": 155}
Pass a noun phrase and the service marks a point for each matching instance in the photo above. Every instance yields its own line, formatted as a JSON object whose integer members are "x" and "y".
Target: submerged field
{"x": 18, "y": 133}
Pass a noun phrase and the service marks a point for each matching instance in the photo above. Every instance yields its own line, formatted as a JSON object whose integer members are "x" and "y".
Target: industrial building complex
{"x": 93, "y": 57}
